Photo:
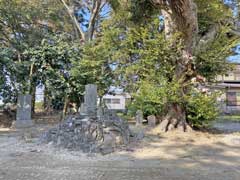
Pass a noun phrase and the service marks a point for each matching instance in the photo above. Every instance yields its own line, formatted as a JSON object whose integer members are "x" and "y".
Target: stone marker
{"x": 100, "y": 113}
{"x": 24, "y": 110}
{"x": 139, "y": 117}
{"x": 90, "y": 100}
{"x": 83, "y": 109}
{"x": 152, "y": 120}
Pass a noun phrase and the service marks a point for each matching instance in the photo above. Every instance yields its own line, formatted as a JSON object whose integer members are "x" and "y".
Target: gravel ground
{"x": 159, "y": 156}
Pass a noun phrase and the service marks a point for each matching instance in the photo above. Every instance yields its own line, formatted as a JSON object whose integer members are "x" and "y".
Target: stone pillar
{"x": 23, "y": 117}
{"x": 139, "y": 117}
{"x": 90, "y": 100}
{"x": 83, "y": 110}
{"x": 152, "y": 121}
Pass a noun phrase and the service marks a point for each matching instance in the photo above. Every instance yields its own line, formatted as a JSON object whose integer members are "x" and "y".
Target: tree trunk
{"x": 32, "y": 87}
{"x": 33, "y": 93}
{"x": 65, "y": 108}
{"x": 175, "y": 119}
{"x": 181, "y": 16}
{"x": 47, "y": 101}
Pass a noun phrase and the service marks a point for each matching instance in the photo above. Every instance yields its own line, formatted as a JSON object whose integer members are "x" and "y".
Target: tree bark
{"x": 65, "y": 108}
{"x": 33, "y": 94}
{"x": 32, "y": 88}
{"x": 74, "y": 20}
{"x": 180, "y": 16}
{"x": 47, "y": 100}
{"x": 175, "y": 119}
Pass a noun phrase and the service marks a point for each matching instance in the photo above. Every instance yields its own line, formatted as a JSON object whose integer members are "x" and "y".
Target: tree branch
{"x": 94, "y": 14}
{"x": 161, "y": 4}
{"x": 235, "y": 32}
{"x": 206, "y": 39}
{"x": 74, "y": 20}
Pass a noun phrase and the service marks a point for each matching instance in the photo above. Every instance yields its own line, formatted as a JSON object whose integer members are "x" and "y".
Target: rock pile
{"x": 91, "y": 135}
{"x": 94, "y": 130}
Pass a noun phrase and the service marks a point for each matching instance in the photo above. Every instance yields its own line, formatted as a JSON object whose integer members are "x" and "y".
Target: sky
{"x": 236, "y": 57}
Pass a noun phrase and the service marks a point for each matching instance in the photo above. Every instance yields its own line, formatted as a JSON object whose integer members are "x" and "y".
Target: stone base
{"x": 23, "y": 123}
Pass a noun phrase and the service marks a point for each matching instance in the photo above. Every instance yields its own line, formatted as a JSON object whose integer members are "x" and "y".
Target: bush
{"x": 152, "y": 100}
{"x": 202, "y": 108}
{"x": 149, "y": 99}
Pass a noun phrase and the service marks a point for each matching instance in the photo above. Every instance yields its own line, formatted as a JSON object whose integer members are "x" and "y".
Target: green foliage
{"x": 52, "y": 61}
{"x": 139, "y": 53}
{"x": 12, "y": 75}
{"x": 135, "y": 56}
{"x": 147, "y": 62}
{"x": 213, "y": 61}
{"x": 93, "y": 68}
{"x": 142, "y": 10}
{"x": 211, "y": 13}
{"x": 23, "y": 25}
{"x": 150, "y": 99}
{"x": 202, "y": 108}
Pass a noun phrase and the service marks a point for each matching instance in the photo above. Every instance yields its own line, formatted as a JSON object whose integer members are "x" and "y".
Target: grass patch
{"x": 39, "y": 105}
{"x": 233, "y": 118}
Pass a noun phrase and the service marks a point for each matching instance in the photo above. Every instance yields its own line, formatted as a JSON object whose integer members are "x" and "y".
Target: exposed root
{"x": 170, "y": 123}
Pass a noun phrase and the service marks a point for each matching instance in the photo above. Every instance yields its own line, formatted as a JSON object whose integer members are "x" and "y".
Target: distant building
{"x": 230, "y": 83}
{"x": 116, "y": 102}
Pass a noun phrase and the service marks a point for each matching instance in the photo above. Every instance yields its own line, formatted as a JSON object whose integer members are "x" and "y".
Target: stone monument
{"x": 139, "y": 117}
{"x": 152, "y": 121}
{"x": 83, "y": 110}
{"x": 90, "y": 100}
{"x": 24, "y": 110}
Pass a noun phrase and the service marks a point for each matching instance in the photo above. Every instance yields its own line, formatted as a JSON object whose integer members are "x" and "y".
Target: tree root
{"x": 169, "y": 123}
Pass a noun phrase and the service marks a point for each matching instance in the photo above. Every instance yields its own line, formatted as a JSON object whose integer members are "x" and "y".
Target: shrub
{"x": 202, "y": 108}
{"x": 152, "y": 100}
{"x": 149, "y": 99}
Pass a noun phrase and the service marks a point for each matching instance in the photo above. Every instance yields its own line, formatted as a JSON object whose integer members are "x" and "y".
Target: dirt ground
{"x": 169, "y": 156}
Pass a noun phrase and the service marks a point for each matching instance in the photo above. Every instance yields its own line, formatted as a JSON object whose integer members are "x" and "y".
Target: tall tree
{"x": 182, "y": 17}
{"x": 23, "y": 25}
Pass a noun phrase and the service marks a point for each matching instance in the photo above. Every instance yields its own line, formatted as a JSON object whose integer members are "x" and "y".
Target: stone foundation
{"x": 90, "y": 135}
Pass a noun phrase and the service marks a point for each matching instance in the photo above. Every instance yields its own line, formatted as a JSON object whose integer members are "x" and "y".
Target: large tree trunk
{"x": 175, "y": 119}
{"x": 181, "y": 16}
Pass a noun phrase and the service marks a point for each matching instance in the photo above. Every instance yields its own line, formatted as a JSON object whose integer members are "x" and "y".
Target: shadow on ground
{"x": 170, "y": 156}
